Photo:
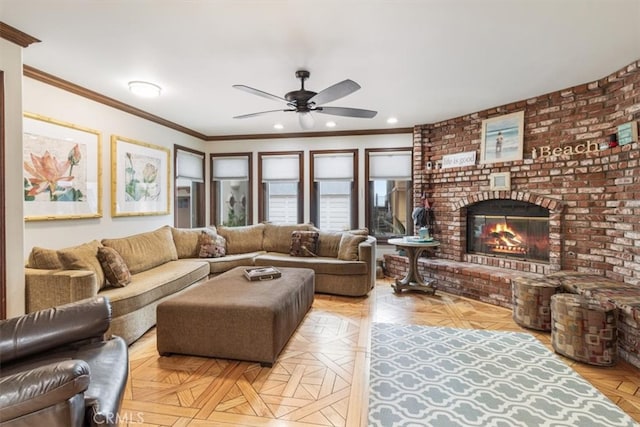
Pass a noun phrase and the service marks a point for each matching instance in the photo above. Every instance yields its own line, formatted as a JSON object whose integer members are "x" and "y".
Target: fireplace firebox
{"x": 508, "y": 229}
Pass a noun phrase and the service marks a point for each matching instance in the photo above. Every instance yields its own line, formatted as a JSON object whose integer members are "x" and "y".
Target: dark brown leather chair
{"x": 57, "y": 368}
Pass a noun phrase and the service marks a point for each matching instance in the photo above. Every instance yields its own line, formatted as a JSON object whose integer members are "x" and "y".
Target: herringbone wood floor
{"x": 320, "y": 379}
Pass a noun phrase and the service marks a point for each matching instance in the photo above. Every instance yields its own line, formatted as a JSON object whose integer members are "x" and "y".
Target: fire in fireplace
{"x": 509, "y": 229}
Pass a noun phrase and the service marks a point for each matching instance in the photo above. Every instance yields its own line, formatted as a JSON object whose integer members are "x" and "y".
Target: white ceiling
{"x": 421, "y": 61}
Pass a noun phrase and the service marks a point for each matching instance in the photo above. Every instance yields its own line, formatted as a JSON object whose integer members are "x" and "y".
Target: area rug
{"x": 445, "y": 377}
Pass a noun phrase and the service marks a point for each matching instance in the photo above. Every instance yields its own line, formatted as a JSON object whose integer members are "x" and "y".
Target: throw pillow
{"x": 304, "y": 243}
{"x": 46, "y": 259}
{"x": 212, "y": 245}
{"x": 83, "y": 257}
{"x": 348, "y": 250}
{"x": 115, "y": 270}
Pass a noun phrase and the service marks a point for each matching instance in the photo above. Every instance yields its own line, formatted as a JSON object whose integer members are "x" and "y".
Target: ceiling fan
{"x": 305, "y": 102}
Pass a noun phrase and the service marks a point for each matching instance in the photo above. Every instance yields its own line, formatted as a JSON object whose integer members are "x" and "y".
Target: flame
{"x": 505, "y": 239}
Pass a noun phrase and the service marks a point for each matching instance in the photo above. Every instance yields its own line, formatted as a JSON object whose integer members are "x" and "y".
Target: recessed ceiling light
{"x": 144, "y": 89}
{"x": 392, "y": 120}
{"x": 331, "y": 124}
{"x": 278, "y": 126}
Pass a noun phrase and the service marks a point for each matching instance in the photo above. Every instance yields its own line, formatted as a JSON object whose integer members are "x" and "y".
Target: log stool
{"x": 584, "y": 329}
{"x": 532, "y": 302}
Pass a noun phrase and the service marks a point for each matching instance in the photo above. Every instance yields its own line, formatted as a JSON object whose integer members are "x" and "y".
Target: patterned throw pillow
{"x": 304, "y": 243}
{"x": 115, "y": 269}
{"x": 212, "y": 245}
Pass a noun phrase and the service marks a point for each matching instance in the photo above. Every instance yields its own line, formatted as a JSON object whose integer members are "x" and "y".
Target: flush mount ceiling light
{"x": 278, "y": 126}
{"x": 392, "y": 120}
{"x": 330, "y": 124}
{"x": 144, "y": 89}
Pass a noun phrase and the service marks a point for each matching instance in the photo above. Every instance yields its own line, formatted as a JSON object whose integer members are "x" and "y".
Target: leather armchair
{"x": 58, "y": 369}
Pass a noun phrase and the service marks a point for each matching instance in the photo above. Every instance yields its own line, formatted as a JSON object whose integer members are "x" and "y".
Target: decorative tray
{"x": 418, "y": 239}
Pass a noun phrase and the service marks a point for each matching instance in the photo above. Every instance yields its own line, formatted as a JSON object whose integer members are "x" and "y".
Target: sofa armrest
{"x": 26, "y": 392}
{"x": 54, "y": 328}
{"x": 49, "y": 288}
{"x": 367, "y": 253}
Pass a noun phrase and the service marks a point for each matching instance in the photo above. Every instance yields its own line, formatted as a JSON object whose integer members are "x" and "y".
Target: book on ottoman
{"x": 262, "y": 273}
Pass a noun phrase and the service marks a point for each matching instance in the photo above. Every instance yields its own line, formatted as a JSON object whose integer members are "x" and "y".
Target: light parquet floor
{"x": 321, "y": 377}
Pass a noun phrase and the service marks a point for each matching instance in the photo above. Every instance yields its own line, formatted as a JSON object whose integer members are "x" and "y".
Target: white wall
{"x": 46, "y": 100}
{"x": 312, "y": 144}
{"x": 11, "y": 65}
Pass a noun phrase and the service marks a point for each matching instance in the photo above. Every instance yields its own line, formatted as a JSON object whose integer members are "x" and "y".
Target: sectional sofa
{"x": 164, "y": 262}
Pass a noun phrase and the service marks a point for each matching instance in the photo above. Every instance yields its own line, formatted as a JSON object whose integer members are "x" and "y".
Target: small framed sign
{"x": 500, "y": 181}
{"x": 627, "y": 133}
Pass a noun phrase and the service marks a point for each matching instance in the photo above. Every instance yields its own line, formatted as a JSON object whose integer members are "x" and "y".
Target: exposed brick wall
{"x": 595, "y": 196}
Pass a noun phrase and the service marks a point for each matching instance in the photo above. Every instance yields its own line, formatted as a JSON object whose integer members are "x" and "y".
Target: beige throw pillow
{"x": 42, "y": 258}
{"x": 348, "y": 250}
{"x": 83, "y": 257}
{"x": 115, "y": 269}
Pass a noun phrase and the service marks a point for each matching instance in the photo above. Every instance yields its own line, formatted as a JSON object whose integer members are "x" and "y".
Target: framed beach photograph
{"x": 62, "y": 170}
{"x": 502, "y": 138}
{"x": 139, "y": 178}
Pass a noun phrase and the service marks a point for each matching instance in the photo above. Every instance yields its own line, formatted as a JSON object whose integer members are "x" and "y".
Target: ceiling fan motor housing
{"x": 300, "y": 97}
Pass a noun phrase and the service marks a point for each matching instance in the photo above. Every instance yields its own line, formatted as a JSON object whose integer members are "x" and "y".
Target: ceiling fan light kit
{"x": 304, "y": 102}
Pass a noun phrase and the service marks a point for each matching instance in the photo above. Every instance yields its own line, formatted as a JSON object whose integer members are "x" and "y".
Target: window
{"x": 389, "y": 194}
{"x": 281, "y": 198}
{"x": 189, "y": 202}
{"x": 230, "y": 189}
{"x": 333, "y": 189}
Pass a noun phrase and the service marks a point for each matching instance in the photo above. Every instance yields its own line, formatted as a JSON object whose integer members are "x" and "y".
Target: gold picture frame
{"x": 62, "y": 169}
{"x": 139, "y": 178}
{"x": 502, "y": 138}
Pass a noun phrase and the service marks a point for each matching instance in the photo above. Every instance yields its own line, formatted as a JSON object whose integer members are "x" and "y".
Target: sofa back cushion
{"x": 187, "y": 240}
{"x": 83, "y": 257}
{"x": 242, "y": 240}
{"x": 144, "y": 251}
{"x": 277, "y": 238}
{"x": 328, "y": 244}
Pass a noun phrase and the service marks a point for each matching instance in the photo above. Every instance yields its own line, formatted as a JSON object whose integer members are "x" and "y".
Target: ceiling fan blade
{"x": 259, "y": 93}
{"x": 347, "y": 112}
{"x": 246, "y": 116}
{"x": 334, "y": 92}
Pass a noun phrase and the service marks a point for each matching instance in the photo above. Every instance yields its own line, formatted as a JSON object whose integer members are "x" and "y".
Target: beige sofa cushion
{"x": 328, "y": 244}
{"x": 187, "y": 240}
{"x": 348, "y": 250}
{"x": 245, "y": 239}
{"x": 45, "y": 259}
{"x": 145, "y": 250}
{"x": 277, "y": 238}
{"x": 320, "y": 265}
{"x": 83, "y": 257}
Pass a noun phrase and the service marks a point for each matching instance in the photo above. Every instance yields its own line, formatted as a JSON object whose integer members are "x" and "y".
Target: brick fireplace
{"x": 592, "y": 195}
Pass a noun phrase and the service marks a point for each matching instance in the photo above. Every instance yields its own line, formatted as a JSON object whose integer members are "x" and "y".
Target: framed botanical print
{"x": 62, "y": 170}
{"x": 139, "y": 178}
{"x": 502, "y": 138}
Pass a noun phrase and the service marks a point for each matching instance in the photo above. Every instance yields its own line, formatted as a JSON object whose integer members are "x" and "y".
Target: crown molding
{"x": 16, "y": 36}
{"x": 310, "y": 134}
{"x": 52, "y": 80}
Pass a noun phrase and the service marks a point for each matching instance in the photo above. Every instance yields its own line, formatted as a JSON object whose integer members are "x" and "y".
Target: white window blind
{"x": 394, "y": 165}
{"x": 230, "y": 169}
{"x": 333, "y": 167}
{"x": 281, "y": 168}
{"x": 189, "y": 166}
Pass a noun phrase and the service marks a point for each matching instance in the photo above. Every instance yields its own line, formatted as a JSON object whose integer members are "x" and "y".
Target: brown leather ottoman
{"x": 231, "y": 317}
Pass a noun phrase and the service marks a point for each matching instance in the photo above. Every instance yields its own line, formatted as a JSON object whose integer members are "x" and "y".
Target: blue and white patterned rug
{"x": 445, "y": 377}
